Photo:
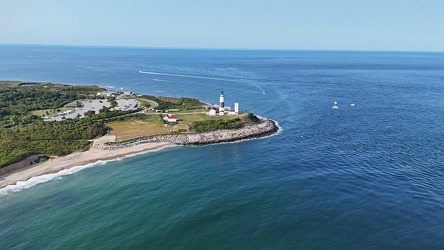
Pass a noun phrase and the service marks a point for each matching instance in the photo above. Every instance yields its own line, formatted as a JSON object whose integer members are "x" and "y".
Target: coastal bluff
{"x": 264, "y": 127}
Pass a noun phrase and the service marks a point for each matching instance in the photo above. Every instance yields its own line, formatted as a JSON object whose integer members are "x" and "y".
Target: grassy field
{"x": 154, "y": 125}
{"x": 149, "y": 125}
{"x": 185, "y": 119}
{"x": 50, "y": 111}
{"x": 200, "y": 110}
{"x": 188, "y": 118}
{"x": 131, "y": 129}
{"x": 10, "y": 83}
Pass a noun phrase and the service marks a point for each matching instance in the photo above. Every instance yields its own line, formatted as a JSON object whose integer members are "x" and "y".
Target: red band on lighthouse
{"x": 221, "y": 105}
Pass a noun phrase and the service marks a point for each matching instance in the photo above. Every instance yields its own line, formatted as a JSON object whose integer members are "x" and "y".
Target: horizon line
{"x": 218, "y": 48}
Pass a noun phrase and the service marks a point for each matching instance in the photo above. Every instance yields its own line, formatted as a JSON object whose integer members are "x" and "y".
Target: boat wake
{"x": 159, "y": 80}
{"x": 180, "y": 75}
{"x": 228, "y": 79}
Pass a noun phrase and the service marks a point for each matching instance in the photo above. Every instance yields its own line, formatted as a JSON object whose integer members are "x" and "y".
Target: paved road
{"x": 153, "y": 104}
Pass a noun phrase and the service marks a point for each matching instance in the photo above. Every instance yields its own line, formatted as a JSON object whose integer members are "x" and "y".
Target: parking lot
{"x": 95, "y": 105}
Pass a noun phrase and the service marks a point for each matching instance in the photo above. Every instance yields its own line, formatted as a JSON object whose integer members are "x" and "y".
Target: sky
{"x": 383, "y": 25}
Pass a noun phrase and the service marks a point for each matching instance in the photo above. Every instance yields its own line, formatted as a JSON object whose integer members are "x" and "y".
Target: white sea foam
{"x": 159, "y": 80}
{"x": 280, "y": 128}
{"x": 22, "y": 185}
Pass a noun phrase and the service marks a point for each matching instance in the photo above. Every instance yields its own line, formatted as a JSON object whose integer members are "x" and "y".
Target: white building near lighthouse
{"x": 212, "y": 112}
{"x": 222, "y": 110}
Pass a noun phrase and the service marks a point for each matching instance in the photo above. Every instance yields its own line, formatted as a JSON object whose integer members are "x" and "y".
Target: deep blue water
{"x": 357, "y": 177}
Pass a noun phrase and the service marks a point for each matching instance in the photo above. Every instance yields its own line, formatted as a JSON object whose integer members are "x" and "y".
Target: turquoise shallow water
{"x": 363, "y": 176}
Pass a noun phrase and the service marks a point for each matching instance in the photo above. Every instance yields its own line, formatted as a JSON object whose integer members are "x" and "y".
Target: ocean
{"x": 367, "y": 175}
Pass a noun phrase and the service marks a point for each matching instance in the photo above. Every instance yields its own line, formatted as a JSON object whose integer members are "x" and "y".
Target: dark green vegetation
{"x": 213, "y": 125}
{"x": 53, "y": 138}
{"x": 252, "y": 118}
{"x": 18, "y": 99}
{"x": 182, "y": 103}
{"x": 23, "y": 134}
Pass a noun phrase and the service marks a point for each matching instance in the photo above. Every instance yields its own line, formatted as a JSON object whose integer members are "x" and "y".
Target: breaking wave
{"x": 22, "y": 185}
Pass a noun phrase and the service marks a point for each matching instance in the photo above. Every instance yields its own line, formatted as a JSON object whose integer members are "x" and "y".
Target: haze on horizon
{"x": 396, "y": 25}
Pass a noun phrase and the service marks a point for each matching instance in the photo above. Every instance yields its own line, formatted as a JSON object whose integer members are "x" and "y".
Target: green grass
{"x": 9, "y": 83}
{"x": 50, "y": 111}
{"x": 188, "y": 118}
{"x": 137, "y": 125}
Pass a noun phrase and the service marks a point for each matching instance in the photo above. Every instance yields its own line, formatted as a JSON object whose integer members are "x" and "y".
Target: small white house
{"x": 212, "y": 111}
{"x": 170, "y": 118}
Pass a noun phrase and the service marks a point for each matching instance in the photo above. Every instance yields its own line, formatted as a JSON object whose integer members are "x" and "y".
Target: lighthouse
{"x": 221, "y": 99}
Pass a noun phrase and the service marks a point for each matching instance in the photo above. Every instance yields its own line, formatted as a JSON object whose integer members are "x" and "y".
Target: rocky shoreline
{"x": 263, "y": 128}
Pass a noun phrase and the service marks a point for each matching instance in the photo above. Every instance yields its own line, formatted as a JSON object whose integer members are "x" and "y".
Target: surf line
{"x": 38, "y": 179}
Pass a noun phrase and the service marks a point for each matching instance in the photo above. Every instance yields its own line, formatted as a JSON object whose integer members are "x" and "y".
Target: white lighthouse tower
{"x": 221, "y": 105}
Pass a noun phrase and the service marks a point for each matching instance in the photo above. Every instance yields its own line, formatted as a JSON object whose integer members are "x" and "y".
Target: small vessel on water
{"x": 335, "y": 105}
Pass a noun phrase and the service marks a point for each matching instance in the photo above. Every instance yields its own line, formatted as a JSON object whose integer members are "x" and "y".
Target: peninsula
{"x": 47, "y": 127}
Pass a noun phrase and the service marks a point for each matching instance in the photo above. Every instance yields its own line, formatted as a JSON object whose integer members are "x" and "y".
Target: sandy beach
{"x": 94, "y": 154}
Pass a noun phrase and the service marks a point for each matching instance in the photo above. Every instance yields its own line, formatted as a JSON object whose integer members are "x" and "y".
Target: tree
{"x": 113, "y": 104}
{"x": 104, "y": 109}
{"x": 90, "y": 113}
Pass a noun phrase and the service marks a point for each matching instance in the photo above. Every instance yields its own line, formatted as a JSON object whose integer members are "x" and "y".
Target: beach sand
{"x": 94, "y": 154}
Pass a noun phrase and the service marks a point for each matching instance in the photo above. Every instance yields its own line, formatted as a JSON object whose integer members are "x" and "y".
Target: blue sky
{"x": 397, "y": 25}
